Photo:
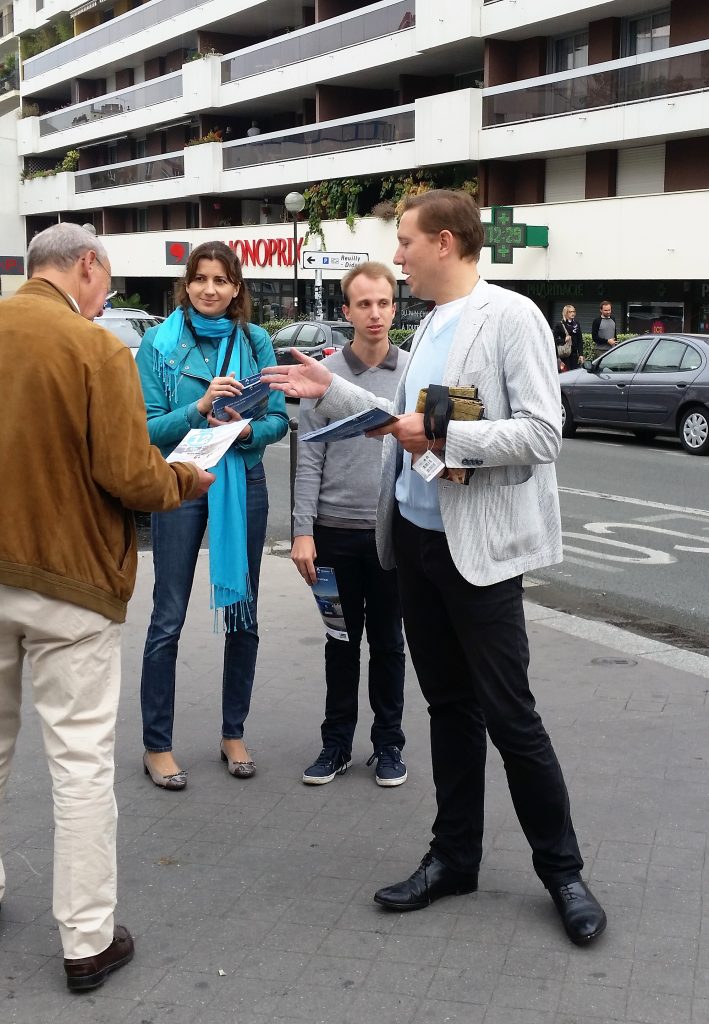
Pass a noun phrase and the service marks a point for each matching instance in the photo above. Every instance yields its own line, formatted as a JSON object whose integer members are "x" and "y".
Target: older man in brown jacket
{"x": 75, "y": 459}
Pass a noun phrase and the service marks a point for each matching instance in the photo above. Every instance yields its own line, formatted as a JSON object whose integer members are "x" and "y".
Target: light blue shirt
{"x": 418, "y": 500}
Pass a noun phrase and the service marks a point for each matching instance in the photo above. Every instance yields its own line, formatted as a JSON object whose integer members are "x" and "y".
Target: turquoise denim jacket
{"x": 169, "y": 419}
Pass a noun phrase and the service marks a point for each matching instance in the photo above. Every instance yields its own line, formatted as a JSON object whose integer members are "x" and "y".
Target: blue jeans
{"x": 177, "y": 536}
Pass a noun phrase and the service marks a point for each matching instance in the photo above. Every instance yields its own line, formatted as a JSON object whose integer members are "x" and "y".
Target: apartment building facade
{"x": 171, "y": 122}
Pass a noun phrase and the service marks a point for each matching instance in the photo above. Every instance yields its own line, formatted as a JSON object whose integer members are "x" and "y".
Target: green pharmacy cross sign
{"x": 503, "y": 236}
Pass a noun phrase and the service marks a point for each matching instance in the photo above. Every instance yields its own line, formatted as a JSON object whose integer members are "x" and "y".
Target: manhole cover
{"x": 613, "y": 661}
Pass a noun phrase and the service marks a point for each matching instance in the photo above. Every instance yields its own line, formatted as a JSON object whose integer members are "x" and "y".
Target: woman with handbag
{"x": 569, "y": 339}
{"x": 187, "y": 362}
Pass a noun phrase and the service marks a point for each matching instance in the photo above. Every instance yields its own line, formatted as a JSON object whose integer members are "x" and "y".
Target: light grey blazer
{"x": 506, "y": 521}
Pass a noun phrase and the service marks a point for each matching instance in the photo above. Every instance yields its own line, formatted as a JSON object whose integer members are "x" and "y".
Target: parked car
{"x": 405, "y": 346}
{"x": 128, "y": 324}
{"x": 652, "y": 384}
{"x": 316, "y": 338}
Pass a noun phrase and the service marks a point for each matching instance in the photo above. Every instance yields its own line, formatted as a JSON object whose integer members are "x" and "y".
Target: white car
{"x": 128, "y": 324}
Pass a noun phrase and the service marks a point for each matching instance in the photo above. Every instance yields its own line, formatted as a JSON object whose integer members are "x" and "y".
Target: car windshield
{"x": 129, "y": 329}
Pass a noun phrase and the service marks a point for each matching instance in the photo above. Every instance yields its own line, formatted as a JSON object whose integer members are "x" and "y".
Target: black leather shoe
{"x": 431, "y": 880}
{"x": 91, "y": 971}
{"x": 582, "y": 914}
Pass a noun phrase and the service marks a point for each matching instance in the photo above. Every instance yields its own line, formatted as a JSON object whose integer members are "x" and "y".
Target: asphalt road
{"x": 636, "y": 534}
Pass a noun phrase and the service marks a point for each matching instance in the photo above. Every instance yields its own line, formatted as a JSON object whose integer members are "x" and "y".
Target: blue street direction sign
{"x": 332, "y": 260}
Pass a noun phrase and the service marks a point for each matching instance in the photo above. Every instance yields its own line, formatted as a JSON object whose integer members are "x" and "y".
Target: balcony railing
{"x": 159, "y": 90}
{"x": 383, "y": 128}
{"x": 316, "y": 40}
{"x": 645, "y": 77}
{"x": 126, "y": 25}
{"x": 133, "y": 172}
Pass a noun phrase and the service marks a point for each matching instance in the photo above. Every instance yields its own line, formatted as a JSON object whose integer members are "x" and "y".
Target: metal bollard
{"x": 293, "y": 438}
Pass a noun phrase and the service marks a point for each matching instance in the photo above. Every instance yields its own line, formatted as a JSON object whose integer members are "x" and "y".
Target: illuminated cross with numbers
{"x": 503, "y": 236}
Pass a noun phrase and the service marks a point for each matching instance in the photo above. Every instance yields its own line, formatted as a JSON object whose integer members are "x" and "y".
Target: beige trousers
{"x": 75, "y": 660}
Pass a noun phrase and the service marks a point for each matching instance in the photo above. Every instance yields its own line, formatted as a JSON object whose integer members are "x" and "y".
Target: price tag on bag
{"x": 428, "y": 466}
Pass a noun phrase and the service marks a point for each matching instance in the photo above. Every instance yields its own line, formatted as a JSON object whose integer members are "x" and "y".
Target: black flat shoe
{"x": 431, "y": 880}
{"x": 581, "y": 913}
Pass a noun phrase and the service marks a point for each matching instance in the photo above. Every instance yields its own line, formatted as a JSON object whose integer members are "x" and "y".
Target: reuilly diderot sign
{"x": 503, "y": 235}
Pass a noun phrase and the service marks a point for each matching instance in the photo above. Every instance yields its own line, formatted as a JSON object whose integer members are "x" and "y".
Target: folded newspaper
{"x": 350, "y": 426}
{"x": 206, "y": 447}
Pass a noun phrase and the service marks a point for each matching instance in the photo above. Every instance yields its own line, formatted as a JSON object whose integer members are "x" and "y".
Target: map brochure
{"x": 206, "y": 447}
{"x": 327, "y": 598}
{"x": 253, "y": 399}
{"x": 350, "y": 426}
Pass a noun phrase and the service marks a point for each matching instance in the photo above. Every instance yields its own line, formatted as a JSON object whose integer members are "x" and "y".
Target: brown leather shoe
{"x": 91, "y": 971}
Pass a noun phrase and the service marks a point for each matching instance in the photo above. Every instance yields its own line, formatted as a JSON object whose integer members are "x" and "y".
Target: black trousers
{"x": 370, "y": 598}
{"x": 470, "y": 651}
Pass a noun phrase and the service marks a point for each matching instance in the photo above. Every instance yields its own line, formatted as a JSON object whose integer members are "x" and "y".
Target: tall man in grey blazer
{"x": 461, "y": 549}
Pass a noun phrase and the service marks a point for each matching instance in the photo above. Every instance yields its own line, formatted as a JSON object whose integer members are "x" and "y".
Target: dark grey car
{"x": 316, "y": 338}
{"x": 653, "y": 384}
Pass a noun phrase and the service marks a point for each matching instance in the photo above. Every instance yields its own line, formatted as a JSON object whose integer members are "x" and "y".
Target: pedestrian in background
{"x": 195, "y": 356}
{"x": 603, "y": 330}
{"x": 75, "y": 459}
{"x": 336, "y": 495}
{"x": 569, "y": 339}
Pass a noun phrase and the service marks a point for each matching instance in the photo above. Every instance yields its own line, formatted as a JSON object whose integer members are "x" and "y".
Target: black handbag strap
{"x": 437, "y": 411}
{"x": 229, "y": 347}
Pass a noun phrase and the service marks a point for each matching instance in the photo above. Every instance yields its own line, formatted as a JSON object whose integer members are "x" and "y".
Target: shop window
{"x": 569, "y": 52}
{"x": 655, "y": 317}
{"x": 652, "y": 32}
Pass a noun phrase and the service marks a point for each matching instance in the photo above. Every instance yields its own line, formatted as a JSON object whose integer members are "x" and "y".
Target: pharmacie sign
{"x": 266, "y": 252}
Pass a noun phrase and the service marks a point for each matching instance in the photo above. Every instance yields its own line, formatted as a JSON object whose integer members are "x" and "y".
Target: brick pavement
{"x": 251, "y": 900}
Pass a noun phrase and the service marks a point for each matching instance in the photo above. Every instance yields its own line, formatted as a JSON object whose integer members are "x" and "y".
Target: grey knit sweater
{"x": 337, "y": 484}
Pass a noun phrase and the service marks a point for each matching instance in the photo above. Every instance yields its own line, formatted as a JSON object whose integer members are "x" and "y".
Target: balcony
{"x": 664, "y": 73}
{"x": 126, "y": 25}
{"x": 159, "y": 90}
{"x": 133, "y": 172}
{"x": 315, "y": 41}
{"x": 384, "y": 128}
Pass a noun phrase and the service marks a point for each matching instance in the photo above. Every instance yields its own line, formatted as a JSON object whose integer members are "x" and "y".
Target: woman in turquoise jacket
{"x": 192, "y": 358}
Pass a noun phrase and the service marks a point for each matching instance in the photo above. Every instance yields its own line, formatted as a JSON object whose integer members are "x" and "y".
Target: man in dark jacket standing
{"x": 603, "y": 330}
{"x": 75, "y": 459}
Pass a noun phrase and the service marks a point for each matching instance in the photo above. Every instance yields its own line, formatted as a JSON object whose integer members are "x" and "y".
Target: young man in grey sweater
{"x": 336, "y": 493}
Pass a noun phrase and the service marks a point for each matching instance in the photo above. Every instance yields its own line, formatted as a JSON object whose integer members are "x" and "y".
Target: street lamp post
{"x": 294, "y": 203}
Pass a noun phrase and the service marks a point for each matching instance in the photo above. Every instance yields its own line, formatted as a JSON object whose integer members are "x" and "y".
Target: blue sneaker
{"x": 331, "y": 762}
{"x": 391, "y": 770}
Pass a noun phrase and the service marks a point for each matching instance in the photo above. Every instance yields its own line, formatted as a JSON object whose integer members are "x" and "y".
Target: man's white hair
{"x": 60, "y": 246}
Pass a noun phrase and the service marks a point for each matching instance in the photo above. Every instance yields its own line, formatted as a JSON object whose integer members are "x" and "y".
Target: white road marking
{"x": 701, "y": 512}
{"x": 633, "y": 525}
{"x": 649, "y": 556}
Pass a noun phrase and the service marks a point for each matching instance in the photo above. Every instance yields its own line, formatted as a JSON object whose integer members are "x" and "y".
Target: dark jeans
{"x": 469, "y": 648}
{"x": 370, "y": 597}
{"x": 177, "y": 536}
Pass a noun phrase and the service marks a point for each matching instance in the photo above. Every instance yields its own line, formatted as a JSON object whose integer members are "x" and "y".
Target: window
{"x": 311, "y": 335}
{"x": 625, "y": 358}
{"x": 649, "y": 33}
{"x": 569, "y": 52}
{"x": 691, "y": 360}
{"x": 666, "y": 357}
{"x": 284, "y": 338}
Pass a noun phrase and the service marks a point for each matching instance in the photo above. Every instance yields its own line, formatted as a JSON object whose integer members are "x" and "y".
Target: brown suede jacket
{"x": 75, "y": 455}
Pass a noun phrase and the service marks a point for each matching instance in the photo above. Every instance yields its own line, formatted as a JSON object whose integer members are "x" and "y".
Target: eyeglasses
{"x": 106, "y": 271}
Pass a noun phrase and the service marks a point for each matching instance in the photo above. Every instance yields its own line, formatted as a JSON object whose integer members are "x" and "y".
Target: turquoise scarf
{"x": 228, "y": 562}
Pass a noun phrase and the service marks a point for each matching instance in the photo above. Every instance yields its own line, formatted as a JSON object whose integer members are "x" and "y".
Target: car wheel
{"x": 694, "y": 431}
{"x": 568, "y": 427}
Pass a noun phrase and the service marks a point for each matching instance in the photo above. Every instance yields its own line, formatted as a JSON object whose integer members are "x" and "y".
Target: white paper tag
{"x": 428, "y": 466}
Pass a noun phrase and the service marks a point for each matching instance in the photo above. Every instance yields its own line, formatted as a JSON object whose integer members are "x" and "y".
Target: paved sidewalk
{"x": 251, "y": 900}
